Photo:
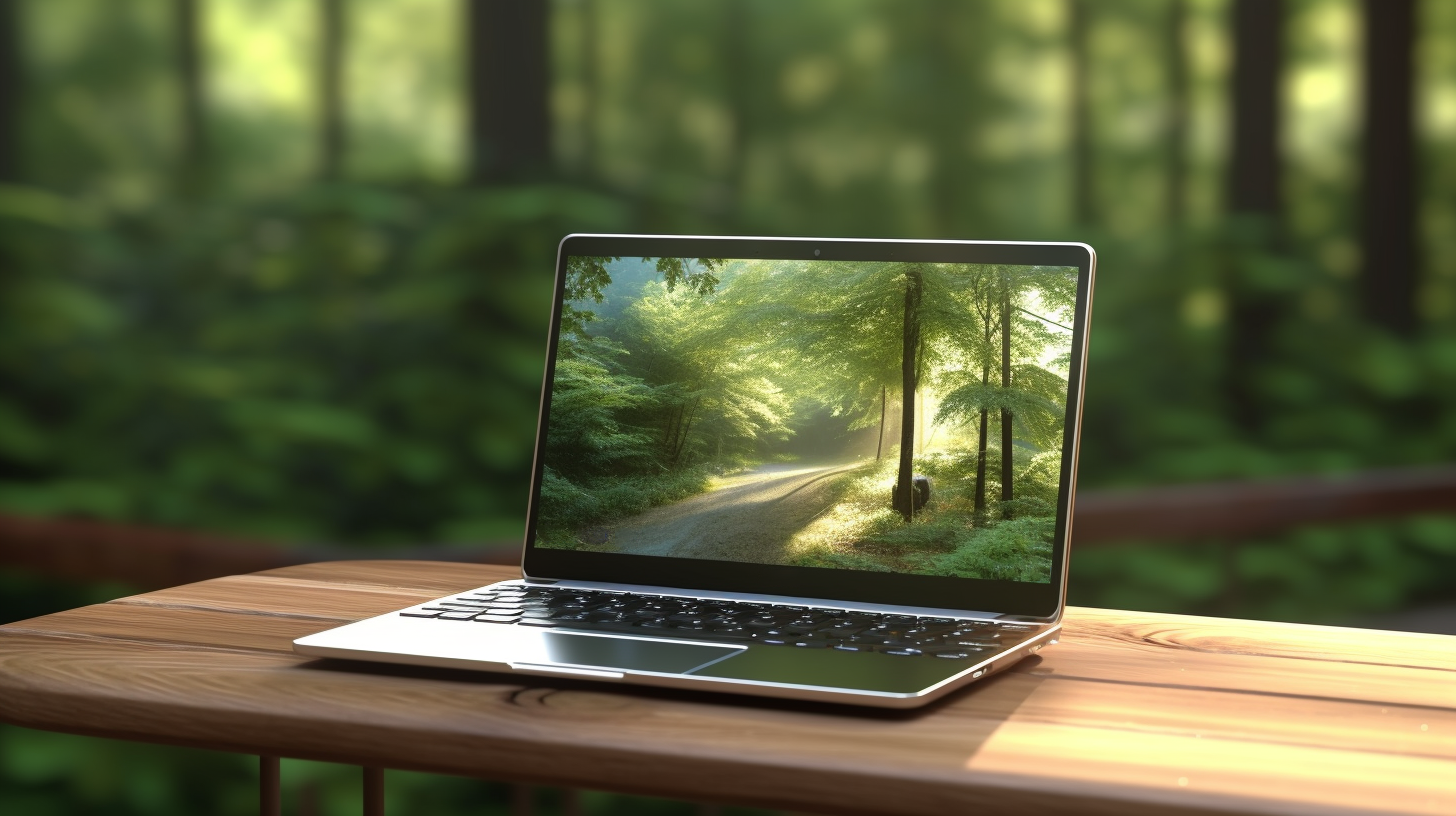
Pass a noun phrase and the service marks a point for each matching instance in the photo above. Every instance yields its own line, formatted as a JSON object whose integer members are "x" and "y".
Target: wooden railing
{"x": 1240, "y": 510}
{"x": 151, "y": 558}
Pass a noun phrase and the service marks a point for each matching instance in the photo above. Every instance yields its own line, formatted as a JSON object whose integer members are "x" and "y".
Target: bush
{"x": 340, "y": 363}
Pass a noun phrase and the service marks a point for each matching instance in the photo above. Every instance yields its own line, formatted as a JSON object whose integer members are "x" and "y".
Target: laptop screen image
{"x": 903, "y": 417}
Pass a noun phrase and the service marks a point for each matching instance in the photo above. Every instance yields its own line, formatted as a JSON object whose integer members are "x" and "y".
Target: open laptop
{"x": 825, "y": 469}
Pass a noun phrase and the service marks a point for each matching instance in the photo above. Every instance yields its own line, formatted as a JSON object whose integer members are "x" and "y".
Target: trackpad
{"x": 631, "y": 654}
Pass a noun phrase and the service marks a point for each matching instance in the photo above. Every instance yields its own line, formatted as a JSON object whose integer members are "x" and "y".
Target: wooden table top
{"x": 1131, "y": 713}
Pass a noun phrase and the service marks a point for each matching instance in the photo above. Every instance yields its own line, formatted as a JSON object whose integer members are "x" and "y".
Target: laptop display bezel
{"x": 1022, "y": 599}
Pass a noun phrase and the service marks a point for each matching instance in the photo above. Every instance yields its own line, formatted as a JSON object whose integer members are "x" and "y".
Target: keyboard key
{"x": 724, "y": 637}
{"x": 731, "y": 621}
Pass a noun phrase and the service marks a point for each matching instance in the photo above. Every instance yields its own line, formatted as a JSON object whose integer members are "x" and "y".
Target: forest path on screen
{"x": 750, "y": 517}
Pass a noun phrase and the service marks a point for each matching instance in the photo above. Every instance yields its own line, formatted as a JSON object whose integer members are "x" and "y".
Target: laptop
{"x": 824, "y": 469}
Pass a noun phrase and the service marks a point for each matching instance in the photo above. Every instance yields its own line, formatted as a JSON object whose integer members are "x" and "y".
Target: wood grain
{"x": 1132, "y": 713}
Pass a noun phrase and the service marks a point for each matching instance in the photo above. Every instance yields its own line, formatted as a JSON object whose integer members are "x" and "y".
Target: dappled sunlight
{"x": 762, "y": 473}
{"x": 673, "y": 363}
{"x": 856, "y": 516}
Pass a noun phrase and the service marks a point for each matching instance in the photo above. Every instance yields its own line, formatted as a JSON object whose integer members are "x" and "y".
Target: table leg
{"x": 269, "y": 801}
{"x": 373, "y": 792}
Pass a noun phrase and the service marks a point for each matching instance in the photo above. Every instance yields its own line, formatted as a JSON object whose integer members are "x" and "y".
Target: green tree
{"x": 587, "y": 279}
{"x": 589, "y": 393}
{"x": 859, "y": 329}
{"x": 1028, "y": 396}
{"x": 716, "y": 392}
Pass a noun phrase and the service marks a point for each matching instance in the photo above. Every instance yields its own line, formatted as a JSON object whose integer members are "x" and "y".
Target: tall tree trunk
{"x": 1007, "y": 459}
{"x": 740, "y": 78}
{"x": 12, "y": 261}
{"x": 193, "y": 158}
{"x": 952, "y": 34}
{"x": 11, "y": 87}
{"x": 982, "y": 443}
{"x": 1254, "y": 175}
{"x": 690, "y": 415}
{"x": 919, "y": 416}
{"x": 909, "y": 379}
{"x": 591, "y": 86}
{"x": 1255, "y": 168}
{"x": 978, "y": 512}
{"x": 510, "y": 133}
{"x": 669, "y": 433}
{"x": 880, "y": 445}
{"x": 1389, "y": 275}
{"x": 1177, "y": 190}
{"x": 1083, "y": 207}
{"x": 332, "y": 124}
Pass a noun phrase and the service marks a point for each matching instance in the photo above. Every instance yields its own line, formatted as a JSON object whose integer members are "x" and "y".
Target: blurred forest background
{"x": 279, "y": 270}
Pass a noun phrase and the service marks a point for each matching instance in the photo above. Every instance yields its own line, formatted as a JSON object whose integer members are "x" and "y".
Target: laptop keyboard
{"x": 802, "y": 627}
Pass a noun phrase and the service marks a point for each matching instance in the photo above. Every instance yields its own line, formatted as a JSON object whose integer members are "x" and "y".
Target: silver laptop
{"x": 825, "y": 469}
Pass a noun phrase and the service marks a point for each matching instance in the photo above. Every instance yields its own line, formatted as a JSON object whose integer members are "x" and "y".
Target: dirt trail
{"x": 750, "y": 518}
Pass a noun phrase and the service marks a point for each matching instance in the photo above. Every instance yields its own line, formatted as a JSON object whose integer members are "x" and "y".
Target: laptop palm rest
{"x": 631, "y": 654}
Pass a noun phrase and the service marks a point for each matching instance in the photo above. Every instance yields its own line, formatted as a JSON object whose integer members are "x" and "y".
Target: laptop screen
{"x": 881, "y": 416}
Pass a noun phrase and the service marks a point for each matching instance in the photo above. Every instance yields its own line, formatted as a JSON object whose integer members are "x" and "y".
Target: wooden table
{"x": 1132, "y": 713}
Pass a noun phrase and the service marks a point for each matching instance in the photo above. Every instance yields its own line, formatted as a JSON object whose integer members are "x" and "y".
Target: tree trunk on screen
{"x": 909, "y": 379}
{"x": 880, "y": 445}
{"x": 508, "y": 75}
{"x": 1388, "y": 277}
{"x": 979, "y": 510}
{"x": 1007, "y": 460}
